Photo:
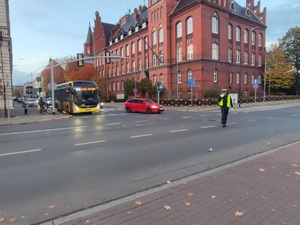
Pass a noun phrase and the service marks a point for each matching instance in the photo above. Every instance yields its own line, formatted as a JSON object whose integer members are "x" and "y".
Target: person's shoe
{"x": 224, "y": 125}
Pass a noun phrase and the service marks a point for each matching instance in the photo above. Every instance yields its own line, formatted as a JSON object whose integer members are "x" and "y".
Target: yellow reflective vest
{"x": 228, "y": 100}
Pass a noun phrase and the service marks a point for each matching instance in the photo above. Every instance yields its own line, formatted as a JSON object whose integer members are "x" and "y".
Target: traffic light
{"x": 40, "y": 90}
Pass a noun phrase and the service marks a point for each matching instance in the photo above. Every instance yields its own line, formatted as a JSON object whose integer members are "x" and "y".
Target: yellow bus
{"x": 79, "y": 96}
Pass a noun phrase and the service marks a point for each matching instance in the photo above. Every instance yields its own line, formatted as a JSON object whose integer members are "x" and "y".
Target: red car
{"x": 142, "y": 105}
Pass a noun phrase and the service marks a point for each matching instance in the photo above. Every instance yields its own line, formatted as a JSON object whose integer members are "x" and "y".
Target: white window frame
{"x": 179, "y": 30}
{"x": 238, "y": 33}
{"x": 179, "y": 77}
{"x": 215, "y": 25}
{"x": 215, "y": 51}
{"x": 190, "y": 49}
{"x": 189, "y": 24}
{"x": 238, "y": 56}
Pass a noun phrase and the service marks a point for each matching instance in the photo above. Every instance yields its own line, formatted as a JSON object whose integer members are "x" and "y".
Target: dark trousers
{"x": 224, "y": 111}
{"x": 25, "y": 111}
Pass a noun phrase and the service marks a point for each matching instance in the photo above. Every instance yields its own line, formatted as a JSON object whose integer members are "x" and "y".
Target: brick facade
{"x": 209, "y": 70}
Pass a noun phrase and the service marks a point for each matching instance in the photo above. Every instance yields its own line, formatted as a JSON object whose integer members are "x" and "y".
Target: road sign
{"x": 135, "y": 90}
{"x": 255, "y": 86}
{"x": 160, "y": 86}
{"x": 191, "y": 82}
{"x": 50, "y": 85}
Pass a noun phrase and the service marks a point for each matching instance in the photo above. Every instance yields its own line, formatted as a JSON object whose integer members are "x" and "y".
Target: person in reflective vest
{"x": 225, "y": 102}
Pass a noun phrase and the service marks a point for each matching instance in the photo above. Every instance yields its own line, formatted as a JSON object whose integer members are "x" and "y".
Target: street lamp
{"x": 240, "y": 68}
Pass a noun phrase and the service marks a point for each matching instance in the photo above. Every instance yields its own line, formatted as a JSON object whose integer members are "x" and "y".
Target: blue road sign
{"x": 160, "y": 86}
{"x": 191, "y": 82}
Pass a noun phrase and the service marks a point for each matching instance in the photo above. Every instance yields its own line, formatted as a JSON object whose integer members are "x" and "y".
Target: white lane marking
{"x": 46, "y": 130}
{"x": 112, "y": 124}
{"x": 204, "y": 115}
{"x": 186, "y": 117}
{"x": 208, "y": 126}
{"x": 232, "y": 123}
{"x": 141, "y": 121}
{"x": 252, "y": 120}
{"x": 89, "y": 143}
{"x": 298, "y": 114}
{"x": 142, "y": 135}
{"x": 181, "y": 130}
{"x": 21, "y": 152}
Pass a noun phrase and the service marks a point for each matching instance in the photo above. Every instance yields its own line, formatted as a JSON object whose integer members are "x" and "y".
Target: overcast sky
{"x": 41, "y": 29}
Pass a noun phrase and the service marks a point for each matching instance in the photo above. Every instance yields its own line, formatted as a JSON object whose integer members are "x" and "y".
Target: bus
{"x": 79, "y": 96}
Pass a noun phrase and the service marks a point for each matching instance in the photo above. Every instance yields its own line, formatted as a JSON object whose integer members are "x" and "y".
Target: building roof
{"x": 235, "y": 10}
{"x": 89, "y": 38}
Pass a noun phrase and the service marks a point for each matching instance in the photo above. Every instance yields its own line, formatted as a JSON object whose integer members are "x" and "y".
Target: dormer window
{"x": 110, "y": 41}
{"x": 247, "y": 13}
{"x": 232, "y": 6}
{"x": 116, "y": 39}
{"x": 129, "y": 32}
{"x": 122, "y": 36}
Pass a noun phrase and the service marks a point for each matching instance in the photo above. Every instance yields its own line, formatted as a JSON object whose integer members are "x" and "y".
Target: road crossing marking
{"x": 89, "y": 143}
{"x": 142, "y": 135}
{"x": 175, "y": 131}
{"x": 298, "y": 114}
{"x": 21, "y": 152}
{"x": 208, "y": 126}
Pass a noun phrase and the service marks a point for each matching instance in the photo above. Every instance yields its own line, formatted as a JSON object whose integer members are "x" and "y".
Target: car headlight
{"x": 154, "y": 106}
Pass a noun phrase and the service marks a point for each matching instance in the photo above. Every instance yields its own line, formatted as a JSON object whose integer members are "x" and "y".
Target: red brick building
{"x": 218, "y": 43}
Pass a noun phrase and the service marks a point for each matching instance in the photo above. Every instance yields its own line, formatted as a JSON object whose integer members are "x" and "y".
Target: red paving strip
{"x": 262, "y": 191}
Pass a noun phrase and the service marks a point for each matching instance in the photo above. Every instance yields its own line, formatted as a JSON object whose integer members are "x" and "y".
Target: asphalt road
{"x": 51, "y": 169}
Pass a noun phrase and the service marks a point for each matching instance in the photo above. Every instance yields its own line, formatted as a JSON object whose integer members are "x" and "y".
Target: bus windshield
{"x": 88, "y": 98}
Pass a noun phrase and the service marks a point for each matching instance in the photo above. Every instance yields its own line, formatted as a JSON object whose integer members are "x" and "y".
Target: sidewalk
{"x": 260, "y": 190}
{"x": 33, "y": 116}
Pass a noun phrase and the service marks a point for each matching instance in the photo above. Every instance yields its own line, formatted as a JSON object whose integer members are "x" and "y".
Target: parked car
{"x": 49, "y": 101}
{"x": 142, "y": 105}
{"x": 30, "y": 102}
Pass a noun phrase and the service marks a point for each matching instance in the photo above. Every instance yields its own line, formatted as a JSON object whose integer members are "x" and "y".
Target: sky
{"x": 44, "y": 29}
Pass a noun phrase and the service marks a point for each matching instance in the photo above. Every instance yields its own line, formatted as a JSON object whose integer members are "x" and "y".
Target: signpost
{"x": 191, "y": 83}
{"x": 255, "y": 86}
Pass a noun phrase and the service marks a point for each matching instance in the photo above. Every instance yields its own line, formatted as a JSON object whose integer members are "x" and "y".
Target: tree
{"x": 88, "y": 72}
{"x": 279, "y": 69}
{"x": 129, "y": 85}
{"x": 291, "y": 47}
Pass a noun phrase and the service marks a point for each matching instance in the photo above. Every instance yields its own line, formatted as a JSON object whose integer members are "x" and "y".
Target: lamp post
{"x": 240, "y": 67}
{"x": 265, "y": 73}
{"x": 3, "y": 78}
{"x": 177, "y": 88}
{"x": 154, "y": 53}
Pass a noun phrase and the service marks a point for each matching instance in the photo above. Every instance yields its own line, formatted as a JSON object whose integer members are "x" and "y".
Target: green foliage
{"x": 144, "y": 87}
{"x": 211, "y": 93}
{"x": 129, "y": 85}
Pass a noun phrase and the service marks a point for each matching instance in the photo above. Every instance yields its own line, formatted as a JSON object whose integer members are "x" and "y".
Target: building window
{"x": 259, "y": 79}
{"x": 215, "y": 76}
{"x": 154, "y": 60}
{"x": 122, "y": 68}
{"x": 179, "y": 54}
{"x": 161, "y": 35}
{"x": 215, "y": 25}
{"x": 127, "y": 50}
{"x": 245, "y": 78}
{"x": 215, "y": 51}
{"x": 140, "y": 64}
{"x": 161, "y": 78}
{"x": 146, "y": 62}
{"x": 118, "y": 86}
{"x": 245, "y": 58}
{"x": 133, "y": 65}
{"x": 253, "y": 59}
{"x": 190, "y": 74}
{"x": 253, "y": 37}
{"x": 179, "y": 30}
{"x": 154, "y": 38}
{"x": 259, "y": 60}
{"x": 133, "y": 48}
{"x": 229, "y": 31}
{"x": 161, "y": 57}
{"x": 179, "y": 77}
{"x": 154, "y": 79}
{"x": 252, "y": 78}
{"x": 238, "y": 78}
{"x": 190, "y": 52}
{"x": 238, "y": 56}
{"x": 230, "y": 55}
{"x": 146, "y": 42}
{"x": 238, "y": 33}
{"x": 113, "y": 86}
{"x": 189, "y": 24}
{"x": 139, "y": 45}
{"x": 230, "y": 78}
{"x": 260, "y": 40}
{"x": 127, "y": 66}
{"x": 246, "y": 36}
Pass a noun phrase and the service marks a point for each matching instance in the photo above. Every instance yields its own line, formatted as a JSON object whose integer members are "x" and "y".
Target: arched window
{"x": 229, "y": 31}
{"x": 161, "y": 35}
{"x": 189, "y": 24}
{"x": 190, "y": 52}
{"x": 133, "y": 48}
{"x": 154, "y": 38}
{"x": 179, "y": 77}
{"x": 179, "y": 30}
{"x": 215, "y": 25}
{"x": 246, "y": 36}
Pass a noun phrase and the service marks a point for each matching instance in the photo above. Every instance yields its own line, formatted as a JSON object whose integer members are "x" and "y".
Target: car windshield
{"x": 86, "y": 97}
{"x": 148, "y": 101}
